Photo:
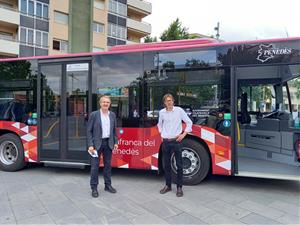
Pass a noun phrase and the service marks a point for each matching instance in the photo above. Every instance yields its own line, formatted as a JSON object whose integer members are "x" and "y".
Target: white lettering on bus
{"x": 130, "y": 142}
{"x": 129, "y": 151}
{"x": 267, "y": 52}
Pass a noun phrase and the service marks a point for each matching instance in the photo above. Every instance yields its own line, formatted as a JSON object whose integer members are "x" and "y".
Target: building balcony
{"x": 9, "y": 15}
{"x": 9, "y": 46}
{"x": 140, "y": 7}
{"x": 140, "y": 27}
{"x": 128, "y": 42}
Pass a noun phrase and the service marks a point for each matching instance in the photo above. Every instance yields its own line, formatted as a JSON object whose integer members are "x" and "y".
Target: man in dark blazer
{"x": 102, "y": 137}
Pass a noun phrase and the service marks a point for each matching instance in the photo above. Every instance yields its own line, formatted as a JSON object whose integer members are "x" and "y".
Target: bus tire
{"x": 195, "y": 160}
{"x": 11, "y": 153}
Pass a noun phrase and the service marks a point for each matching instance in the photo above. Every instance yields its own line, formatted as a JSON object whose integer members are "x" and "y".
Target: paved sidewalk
{"x": 43, "y": 195}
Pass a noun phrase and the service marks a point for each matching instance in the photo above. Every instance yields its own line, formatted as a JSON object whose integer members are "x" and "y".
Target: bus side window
{"x": 119, "y": 76}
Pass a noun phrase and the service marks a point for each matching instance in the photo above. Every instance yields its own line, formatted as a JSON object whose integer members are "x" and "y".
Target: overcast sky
{"x": 239, "y": 19}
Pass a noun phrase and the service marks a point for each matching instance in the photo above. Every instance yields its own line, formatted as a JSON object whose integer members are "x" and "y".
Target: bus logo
{"x": 267, "y": 52}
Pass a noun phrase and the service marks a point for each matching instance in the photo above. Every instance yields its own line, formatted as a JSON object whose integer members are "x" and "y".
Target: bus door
{"x": 268, "y": 106}
{"x": 64, "y": 99}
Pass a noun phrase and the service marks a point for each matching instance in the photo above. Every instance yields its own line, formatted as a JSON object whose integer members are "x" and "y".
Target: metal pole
{"x": 217, "y": 28}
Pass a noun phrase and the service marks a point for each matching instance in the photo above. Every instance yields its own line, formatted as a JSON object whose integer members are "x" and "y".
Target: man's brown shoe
{"x": 179, "y": 192}
{"x": 165, "y": 190}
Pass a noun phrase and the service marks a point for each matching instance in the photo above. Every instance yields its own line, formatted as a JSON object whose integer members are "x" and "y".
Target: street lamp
{"x": 217, "y": 28}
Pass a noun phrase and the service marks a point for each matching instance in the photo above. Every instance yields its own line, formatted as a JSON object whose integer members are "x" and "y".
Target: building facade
{"x": 47, "y": 27}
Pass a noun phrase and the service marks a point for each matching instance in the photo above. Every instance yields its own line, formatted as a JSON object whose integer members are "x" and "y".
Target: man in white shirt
{"x": 170, "y": 129}
{"x": 102, "y": 138}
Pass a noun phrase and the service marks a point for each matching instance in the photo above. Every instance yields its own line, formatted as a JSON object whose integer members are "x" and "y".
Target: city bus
{"x": 243, "y": 99}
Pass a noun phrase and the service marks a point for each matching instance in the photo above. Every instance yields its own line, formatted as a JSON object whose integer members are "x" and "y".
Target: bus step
{"x": 65, "y": 164}
{"x": 294, "y": 177}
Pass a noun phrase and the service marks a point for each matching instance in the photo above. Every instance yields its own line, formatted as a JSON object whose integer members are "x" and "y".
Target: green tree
{"x": 260, "y": 94}
{"x": 148, "y": 39}
{"x": 20, "y": 70}
{"x": 194, "y": 63}
{"x": 175, "y": 32}
{"x": 296, "y": 83}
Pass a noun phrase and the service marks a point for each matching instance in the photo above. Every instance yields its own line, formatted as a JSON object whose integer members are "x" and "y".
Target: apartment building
{"x": 9, "y": 27}
{"x": 42, "y": 27}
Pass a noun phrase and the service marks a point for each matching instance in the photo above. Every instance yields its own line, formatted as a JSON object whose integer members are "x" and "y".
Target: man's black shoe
{"x": 110, "y": 189}
{"x": 95, "y": 193}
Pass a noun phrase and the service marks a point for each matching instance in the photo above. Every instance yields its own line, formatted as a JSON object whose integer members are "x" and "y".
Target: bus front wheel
{"x": 11, "y": 153}
{"x": 195, "y": 160}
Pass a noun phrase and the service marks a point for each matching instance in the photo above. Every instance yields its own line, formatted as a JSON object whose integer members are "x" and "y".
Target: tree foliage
{"x": 15, "y": 70}
{"x": 296, "y": 83}
{"x": 175, "y": 32}
{"x": 149, "y": 39}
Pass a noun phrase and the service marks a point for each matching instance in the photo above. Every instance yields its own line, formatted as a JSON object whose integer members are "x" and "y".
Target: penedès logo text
{"x": 266, "y": 52}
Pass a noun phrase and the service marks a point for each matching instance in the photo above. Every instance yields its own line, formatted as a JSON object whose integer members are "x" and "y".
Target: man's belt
{"x": 169, "y": 139}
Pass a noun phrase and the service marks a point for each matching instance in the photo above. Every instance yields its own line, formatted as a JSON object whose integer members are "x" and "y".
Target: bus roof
{"x": 156, "y": 46}
{"x": 164, "y": 44}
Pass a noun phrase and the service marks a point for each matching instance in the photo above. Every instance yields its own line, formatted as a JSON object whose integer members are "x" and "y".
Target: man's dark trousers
{"x": 168, "y": 148}
{"x": 107, "y": 153}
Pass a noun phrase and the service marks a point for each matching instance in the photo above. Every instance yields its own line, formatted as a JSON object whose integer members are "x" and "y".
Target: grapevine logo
{"x": 267, "y": 52}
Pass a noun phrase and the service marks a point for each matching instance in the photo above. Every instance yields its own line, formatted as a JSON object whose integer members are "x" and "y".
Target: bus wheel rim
{"x": 191, "y": 162}
{"x": 8, "y": 153}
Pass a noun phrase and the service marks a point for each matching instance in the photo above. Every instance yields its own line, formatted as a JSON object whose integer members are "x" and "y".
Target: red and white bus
{"x": 243, "y": 99}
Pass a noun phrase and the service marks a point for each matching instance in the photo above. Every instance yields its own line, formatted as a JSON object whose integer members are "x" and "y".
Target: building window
{"x": 38, "y": 38}
{"x": 33, "y": 37}
{"x": 56, "y": 45}
{"x": 39, "y": 9}
{"x": 98, "y": 27}
{"x": 60, "y": 45}
{"x": 45, "y": 39}
{"x": 31, "y": 8}
{"x": 34, "y": 8}
{"x": 61, "y": 17}
{"x": 45, "y": 11}
{"x": 96, "y": 49}
{"x": 24, "y": 6}
{"x": 117, "y": 31}
{"x": 112, "y": 6}
{"x": 99, "y": 4}
{"x": 30, "y": 36}
{"x": 122, "y": 9}
{"x": 117, "y": 7}
{"x": 6, "y": 36}
{"x": 111, "y": 30}
{"x": 23, "y": 35}
{"x": 41, "y": 39}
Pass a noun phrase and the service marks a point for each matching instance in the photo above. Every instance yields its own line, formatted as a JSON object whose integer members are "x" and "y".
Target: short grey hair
{"x": 168, "y": 95}
{"x": 104, "y": 96}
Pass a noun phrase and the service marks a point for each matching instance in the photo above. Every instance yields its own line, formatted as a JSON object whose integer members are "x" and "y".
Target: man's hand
{"x": 181, "y": 136}
{"x": 91, "y": 149}
{"x": 115, "y": 147}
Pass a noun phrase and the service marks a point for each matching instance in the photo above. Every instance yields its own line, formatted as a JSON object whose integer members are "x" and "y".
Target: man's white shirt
{"x": 105, "y": 122}
{"x": 170, "y": 122}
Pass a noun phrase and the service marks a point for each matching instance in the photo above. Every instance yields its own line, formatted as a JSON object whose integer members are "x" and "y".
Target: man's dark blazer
{"x": 94, "y": 130}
